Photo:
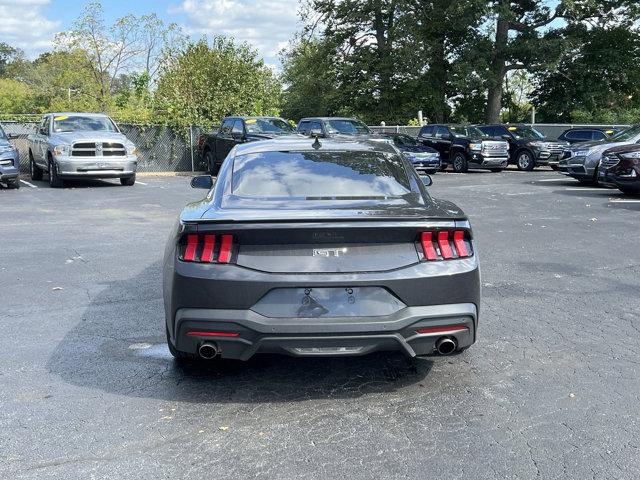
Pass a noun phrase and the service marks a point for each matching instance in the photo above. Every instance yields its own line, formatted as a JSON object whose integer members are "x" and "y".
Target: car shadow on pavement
{"x": 119, "y": 347}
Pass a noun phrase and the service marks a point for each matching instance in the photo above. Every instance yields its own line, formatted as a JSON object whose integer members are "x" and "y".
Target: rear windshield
{"x": 319, "y": 175}
{"x": 274, "y": 126}
{"x": 84, "y": 123}
{"x": 347, "y": 127}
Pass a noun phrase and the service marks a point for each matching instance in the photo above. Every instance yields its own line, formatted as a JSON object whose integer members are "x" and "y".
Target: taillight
{"x": 207, "y": 248}
{"x": 445, "y": 245}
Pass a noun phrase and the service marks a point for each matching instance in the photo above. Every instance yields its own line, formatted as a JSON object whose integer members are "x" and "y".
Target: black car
{"x": 313, "y": 247}
{"x": 338, "y": 127}
{"x": 620, "y": 168}
{"x": 424, "y": 159}
{"x": 214, "y": 147}
{"x": 528, "y": 147}
{"x": 585, "y": 134}
{"x": 464, "y": 147}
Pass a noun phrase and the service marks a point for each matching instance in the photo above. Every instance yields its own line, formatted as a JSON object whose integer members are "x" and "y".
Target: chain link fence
{"x": 165, "y": 148}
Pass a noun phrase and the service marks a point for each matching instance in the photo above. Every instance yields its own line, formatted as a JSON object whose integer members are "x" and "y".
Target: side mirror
{"x": 427, "y": 181}
{"x": 316, "y": 132}
{"x": 202, "y": 181}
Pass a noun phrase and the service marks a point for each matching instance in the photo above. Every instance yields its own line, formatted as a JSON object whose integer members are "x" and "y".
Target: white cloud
{"x": 265, "y": 24}
{"x": 23, "y": 25}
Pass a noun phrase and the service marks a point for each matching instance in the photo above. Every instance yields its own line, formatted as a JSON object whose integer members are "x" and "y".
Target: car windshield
{"x": 466, "y": 131}
{"x": 347, "y": 127}
{"x": 526, "y": 132}
{"x": 82, "y": 123}
{"x": 626, "y": 135}
{"x": 273, "y": 126}
{"x": 402, "y": 139}
{"x": 320, "y": 175}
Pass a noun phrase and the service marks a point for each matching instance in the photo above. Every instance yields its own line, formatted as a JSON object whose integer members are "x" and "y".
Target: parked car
{"x": 620, "y": 168}
{"x": 581, "y": 160}
{"x": 527, "y": 146}
{"x": 9, "y": 161}
{"x": 214, "y": 147}
{"x": 81, "y": 146}
{"x": 584, "y": 134}
{"x": 315, "y": 247}
{"x": 424, "y": 159}
{"x": 464, "y": 147}
{"x": 338, "y": 127}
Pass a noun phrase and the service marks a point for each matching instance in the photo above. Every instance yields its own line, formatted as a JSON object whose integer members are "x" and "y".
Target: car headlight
{"x": 132, "y": 149}
{"x": 64, "y": 150}
{"x": 475, "y": 146}
{"x": 631, "y": 155}
{"x": 6, "y": 148}
{"x": 6, "y": 163}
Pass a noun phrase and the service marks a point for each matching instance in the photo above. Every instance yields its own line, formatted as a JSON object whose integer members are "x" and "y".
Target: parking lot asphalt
{"x": 550, "y": 390}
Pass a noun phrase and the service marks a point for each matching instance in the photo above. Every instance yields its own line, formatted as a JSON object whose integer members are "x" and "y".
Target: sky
{"x": 266, "y": 24}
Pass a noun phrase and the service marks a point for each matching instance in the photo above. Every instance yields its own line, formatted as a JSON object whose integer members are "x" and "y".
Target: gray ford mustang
{"x": 319, "y": 247}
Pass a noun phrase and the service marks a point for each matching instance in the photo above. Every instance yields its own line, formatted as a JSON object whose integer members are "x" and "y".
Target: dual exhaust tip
{"x": 446, "y": 345}
{"x": 208, "y": 351}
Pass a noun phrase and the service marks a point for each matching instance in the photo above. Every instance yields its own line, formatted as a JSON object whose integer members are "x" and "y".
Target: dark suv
{"x": 464, "y": 147}
{"x": 620, "y": 168}
{"x": 528, "y": 147}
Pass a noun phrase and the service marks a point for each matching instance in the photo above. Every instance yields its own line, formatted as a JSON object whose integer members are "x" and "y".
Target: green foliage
{"x": 206, "y": 82}
{"x": 17, "y": 97}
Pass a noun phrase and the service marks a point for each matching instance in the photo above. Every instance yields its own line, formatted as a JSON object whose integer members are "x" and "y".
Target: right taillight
{"x": 445, "y": 245}
{"x": 207, "y": 248}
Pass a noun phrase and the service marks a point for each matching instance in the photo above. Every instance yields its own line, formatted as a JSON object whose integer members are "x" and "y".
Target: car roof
{"x": 329, "y": 118}
{"x": 302, "y": 143}
{"x": 248, "y": 117}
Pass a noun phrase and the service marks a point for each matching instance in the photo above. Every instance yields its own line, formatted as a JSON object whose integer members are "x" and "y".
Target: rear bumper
{"x": 325, "y": 336}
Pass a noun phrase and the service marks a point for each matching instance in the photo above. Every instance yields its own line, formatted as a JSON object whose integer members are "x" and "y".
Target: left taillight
{"x": 207, "y": 248}
{"x": 445, "y": 245}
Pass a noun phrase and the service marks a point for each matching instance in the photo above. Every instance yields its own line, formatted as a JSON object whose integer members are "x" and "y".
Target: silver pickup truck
{"x": 81, "y": 145}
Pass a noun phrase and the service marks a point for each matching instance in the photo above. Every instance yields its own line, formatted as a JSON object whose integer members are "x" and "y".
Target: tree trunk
{"x": 498, "y": 70}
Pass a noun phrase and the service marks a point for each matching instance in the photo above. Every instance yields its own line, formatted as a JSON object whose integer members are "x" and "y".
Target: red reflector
{"x": 225, "y": 249}
{"x": 207, "y": 251}
{"x": 443, "y": 243}
{"x": 450, "y": 328}
{"x": 427, "y": 246}
{"x": 458, "y": 242}
{"x": 190, "y": 251}
{"x": 194, "y": 333}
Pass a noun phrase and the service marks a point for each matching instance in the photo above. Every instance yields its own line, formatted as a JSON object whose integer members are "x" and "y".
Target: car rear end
{"x": 9, "y": 162}
{"x": 320, "y": 275}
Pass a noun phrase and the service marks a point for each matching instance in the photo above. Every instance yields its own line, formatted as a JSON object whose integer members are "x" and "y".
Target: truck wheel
{"x": 210, "y": 162}
{"x": 35, "y": 172}
{"x": 525, "y": 161}
{"x": 128, "y": 181}
{"x": 54, "y": 180}
{"x": 496, "y": 170}
{"x": 460, "y": 164}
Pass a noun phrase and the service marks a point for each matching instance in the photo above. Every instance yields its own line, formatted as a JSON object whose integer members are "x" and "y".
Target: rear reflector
{"x": 445, "y": 245}
{"x": 202, "y": 248}
{"x": 194, "y": 333}
{"x": 445, "y": 329}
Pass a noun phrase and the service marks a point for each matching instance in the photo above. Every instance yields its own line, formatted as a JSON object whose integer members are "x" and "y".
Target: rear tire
{"x": 460, "y": 164}
{"x": 630, "y": 191}
{"x": 54, "y": 180}
{"x": 35, "y": 172}
{"x": 525, "y": 161}
{"x": 554, "y": 167}
{"x": 210, "y": 161}
{"x": 128, "y": 181}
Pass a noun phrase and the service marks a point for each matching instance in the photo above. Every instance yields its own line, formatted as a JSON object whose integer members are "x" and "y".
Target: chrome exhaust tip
{"x": 208, "y": 351}
{"x": 446, "y": 345}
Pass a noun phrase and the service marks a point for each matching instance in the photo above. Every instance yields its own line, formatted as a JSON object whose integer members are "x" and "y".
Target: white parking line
{"x": 141, "y": 183}
{"x": 623, "y": 200}
{"x": 554, "y": 180}
{"x": 29, "y": 184}
{"x": 586, "y": 189}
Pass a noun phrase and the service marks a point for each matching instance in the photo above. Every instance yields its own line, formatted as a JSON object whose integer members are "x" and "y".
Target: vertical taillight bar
{"x": 225, "y": 249}
{"x": 458, "y": 242}
{"x": 207, "y": 251}
{"x": 427, "y": 246}
{"x": 192, "y": 246}
{"x": 443, "y": 243}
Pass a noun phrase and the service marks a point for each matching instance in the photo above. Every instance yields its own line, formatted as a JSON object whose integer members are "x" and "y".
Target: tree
{"x": 18, "y": 97}
{"x": 206, "y": 82}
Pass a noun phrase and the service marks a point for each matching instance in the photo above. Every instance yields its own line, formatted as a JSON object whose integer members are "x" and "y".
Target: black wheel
{"x": 14, "y": 184}
{"x": 177, "y": 354}
{"x": 460, "y": 164}
{"x": 497, "y": 170}
{"x": 629, "y": 191}
{"x": 210, "y": 162}
{"x": 554, "y": 167}
{"x": 525, "y": 161}
{"x": 54, "y": 180}
{"x": 35, "y": 172}
{"x": 128, "y": 181}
